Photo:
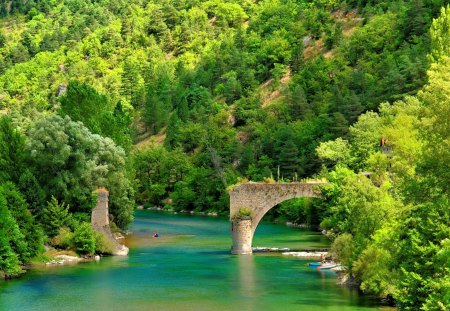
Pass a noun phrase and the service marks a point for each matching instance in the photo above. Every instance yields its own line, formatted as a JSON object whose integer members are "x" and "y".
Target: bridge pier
{"x": 242, "y": 235}
{"x": 100, "y": 222}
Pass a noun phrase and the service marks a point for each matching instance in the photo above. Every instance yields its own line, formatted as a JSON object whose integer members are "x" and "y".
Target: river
{"x": 189, "y": 267}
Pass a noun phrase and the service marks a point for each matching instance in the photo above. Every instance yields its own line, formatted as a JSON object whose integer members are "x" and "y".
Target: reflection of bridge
{"x": 258, "y": 199}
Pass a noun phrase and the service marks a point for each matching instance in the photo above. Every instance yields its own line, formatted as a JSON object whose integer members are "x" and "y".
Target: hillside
{"x": 168, "y": 102}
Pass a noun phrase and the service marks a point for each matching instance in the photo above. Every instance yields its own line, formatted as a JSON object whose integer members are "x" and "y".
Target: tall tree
{"x": 70, "y": 163}
{"x": 12, "y": 145}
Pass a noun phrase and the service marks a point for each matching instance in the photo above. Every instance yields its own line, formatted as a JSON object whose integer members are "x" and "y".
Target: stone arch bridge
{"x": 258, "y": 199}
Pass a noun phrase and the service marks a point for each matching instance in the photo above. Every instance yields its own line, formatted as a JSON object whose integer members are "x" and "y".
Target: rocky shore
{"x": 70, "y": 260}
{"x": 307, "y": 254}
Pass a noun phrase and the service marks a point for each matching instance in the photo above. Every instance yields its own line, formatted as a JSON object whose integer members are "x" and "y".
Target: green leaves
{"x": 440, "y": 34}
{"x": 70, "y": 162}
{"x": 83, "y": 103}
{"x": 84, "y": 239}
{"x": 11, "y": 241}
{"x": 55, "y": 216}
{"x": 11, "y": 151}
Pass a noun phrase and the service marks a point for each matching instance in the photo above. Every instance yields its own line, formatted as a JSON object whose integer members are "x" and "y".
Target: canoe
{"x": 314, "y": 264}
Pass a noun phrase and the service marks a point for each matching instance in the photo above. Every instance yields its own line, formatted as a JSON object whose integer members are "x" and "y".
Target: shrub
{"x": 103, "y": 245}
{"x": 243, "y": 213}
{"x": 342, "y": 248}
{"x": 84, "y": 239}
{"x": 63, "y": 239}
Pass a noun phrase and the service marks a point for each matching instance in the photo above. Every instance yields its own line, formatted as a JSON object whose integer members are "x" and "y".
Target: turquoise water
{"x": 188, "y": 268}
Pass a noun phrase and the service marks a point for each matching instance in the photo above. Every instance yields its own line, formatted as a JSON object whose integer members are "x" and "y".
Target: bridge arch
{"x": 258, "y": 199}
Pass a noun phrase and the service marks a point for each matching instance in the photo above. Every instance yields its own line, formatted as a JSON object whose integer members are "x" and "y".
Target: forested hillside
{"x": 168, "y": 102}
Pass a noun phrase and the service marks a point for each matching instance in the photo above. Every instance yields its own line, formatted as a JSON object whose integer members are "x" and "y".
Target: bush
{"x": 84, "y": 239}
{"x": 244, "y": 213}
{"x": 103, "y": 245}
{"x": 63, "y": 239}
{"x": 342, "y": 248}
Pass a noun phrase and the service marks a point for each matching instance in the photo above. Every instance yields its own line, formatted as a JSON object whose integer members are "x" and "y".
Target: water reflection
{"x": 247, "y": 285}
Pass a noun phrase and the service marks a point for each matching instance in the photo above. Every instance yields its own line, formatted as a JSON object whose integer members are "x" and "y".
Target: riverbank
{"x": 62, "y": 257}
{"x": 52, "y": 257}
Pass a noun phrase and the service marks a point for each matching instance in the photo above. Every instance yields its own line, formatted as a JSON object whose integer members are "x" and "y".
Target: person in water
{"x": 155, "y": 234}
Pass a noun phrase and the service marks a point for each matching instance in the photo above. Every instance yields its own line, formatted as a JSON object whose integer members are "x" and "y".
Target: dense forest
{"x": 168, "y": 102}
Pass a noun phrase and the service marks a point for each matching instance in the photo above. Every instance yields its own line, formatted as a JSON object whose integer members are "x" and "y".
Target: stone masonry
{"x": 100, "y": 221}
{"x": 259, "y": 198}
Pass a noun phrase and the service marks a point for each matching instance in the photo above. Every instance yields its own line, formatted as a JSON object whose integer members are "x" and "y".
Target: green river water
{"x": 188, "y": 268}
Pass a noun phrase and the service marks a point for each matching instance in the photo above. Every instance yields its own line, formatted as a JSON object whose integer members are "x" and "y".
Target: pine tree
{"x": 298, "y": 104}
{"x": 9, "y": 261}
{"x": 55, "y": 216}
{"x": 287, "y": 154}
{"x": 172, "y": 132}
{"x": 33, "y": 193}
{"x": 11, "y": 151}
{"x": 33, "y": 236}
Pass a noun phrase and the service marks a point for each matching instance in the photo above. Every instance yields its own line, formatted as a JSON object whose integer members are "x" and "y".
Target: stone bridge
{"x": 258, "y": 199}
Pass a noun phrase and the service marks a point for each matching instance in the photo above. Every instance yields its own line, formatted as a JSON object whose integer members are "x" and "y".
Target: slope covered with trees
{"x": 213, "y": 91}
{"x": 392, "y": 229}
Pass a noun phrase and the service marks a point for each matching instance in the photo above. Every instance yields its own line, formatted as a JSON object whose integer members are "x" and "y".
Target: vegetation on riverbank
{"x": 391, "y": 228}
{"x": 212, "y": 91}
{"x": 47, "y": 180}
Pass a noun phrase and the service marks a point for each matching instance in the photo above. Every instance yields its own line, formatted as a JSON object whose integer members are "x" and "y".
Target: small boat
{"x": 328, "y": 266}
{"x": 314, "y": 264}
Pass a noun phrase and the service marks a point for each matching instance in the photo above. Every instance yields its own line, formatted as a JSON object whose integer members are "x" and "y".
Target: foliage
{"x": 11, "y": 151}
{"x": 71, "y": 162}
{"x": 25, "y": 220}
{"x": 342, "y": 248}
{"x": 83, "y": 239}
{"x": 243, "y": 213}
{"x": 83, "y": 103}
{"x": 11, "y": 241}
{"x": 236, "y": 89}
{"x": 399, "y": 246}
{"x": 63, "y": 239}
{"x": 103, "y": 245}
{"x": 55, "y": 216}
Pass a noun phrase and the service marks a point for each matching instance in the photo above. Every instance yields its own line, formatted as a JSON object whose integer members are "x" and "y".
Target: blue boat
{"x": 314, "y": 264}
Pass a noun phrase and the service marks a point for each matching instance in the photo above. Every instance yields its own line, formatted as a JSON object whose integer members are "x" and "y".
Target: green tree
{"x": 70, "y": 163}
{"x": 12, "y": 155}
{"x": 29, "y": 229}
{"x": 84, "y": 239}
{"x": 55, "y": 216}
{"x": 11, "y": 240}
{"x": 83, "y": 103}
{"x": 32, "y": 192}
{"x": 440, "y": 34}
{"x": 287, "y": 154}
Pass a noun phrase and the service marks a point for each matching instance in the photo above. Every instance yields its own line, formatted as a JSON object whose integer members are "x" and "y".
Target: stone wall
{"x": 259, "y": 198}
{"x": 100, "y": 221}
